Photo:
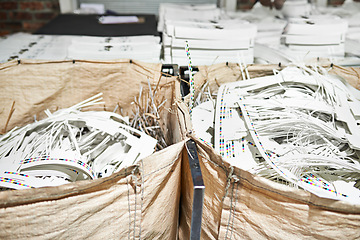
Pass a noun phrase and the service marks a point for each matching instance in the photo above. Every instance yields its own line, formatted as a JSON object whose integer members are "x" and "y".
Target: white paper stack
{"x": 350, "y": 11}
{"x": 352, "y": 15}
{"x": 63, "y": 47}
{"x": 209, "y": 41}
{"x": 306, "y": 39}
{"x": 352, "y": 46}
{"x": 144, "y": 48}
{"x": 48, "y": 47}
{"x": 193, "y": 12}
{"x": 25, "y": 45}
{"x": 269, "y": 25}
{"x": 318, "y": 36}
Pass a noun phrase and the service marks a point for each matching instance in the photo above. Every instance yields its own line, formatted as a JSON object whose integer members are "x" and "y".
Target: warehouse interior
{"x": 164, "y": 119}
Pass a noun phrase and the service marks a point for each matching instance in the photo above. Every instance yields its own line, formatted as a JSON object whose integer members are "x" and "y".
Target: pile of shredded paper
{"x": 70, "y": 145}
{"x": 298, "y": 127}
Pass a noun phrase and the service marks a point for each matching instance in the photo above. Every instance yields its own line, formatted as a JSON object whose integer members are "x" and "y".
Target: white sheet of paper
{"x": 118, "y": 19}
{"x": 97, "y": 7}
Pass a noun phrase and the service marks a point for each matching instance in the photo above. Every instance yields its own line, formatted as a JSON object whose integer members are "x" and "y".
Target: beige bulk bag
{"x": 240, "y": 205}
{"x": 139, "y": 202}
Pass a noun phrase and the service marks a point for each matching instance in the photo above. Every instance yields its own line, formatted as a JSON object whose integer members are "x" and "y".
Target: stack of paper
{"x": 350, "y": 11}
{"x": 209, "y": 41}
{"x": 307, "y": 39}
{"x": 317, "y": 36}
{"x": 352, "y": 44}
{"x": 48, "y": 47}
{"x": 269, "y": 25}
{"x": 193, "y": 12}
{"x": 62, "y": 47}
{"x": 25, "y": 45}
{"x": 144, "y": 48}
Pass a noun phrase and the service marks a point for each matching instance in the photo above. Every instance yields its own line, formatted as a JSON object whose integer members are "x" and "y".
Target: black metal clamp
{"x": 199, "y": 190}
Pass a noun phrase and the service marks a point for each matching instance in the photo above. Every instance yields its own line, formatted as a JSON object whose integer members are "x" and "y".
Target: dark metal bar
{"x": 199, "y": 190}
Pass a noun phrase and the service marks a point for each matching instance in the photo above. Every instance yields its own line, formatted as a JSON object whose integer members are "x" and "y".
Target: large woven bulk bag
{"x": 241, "y": 205}
{"x": 140, "y": 201}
